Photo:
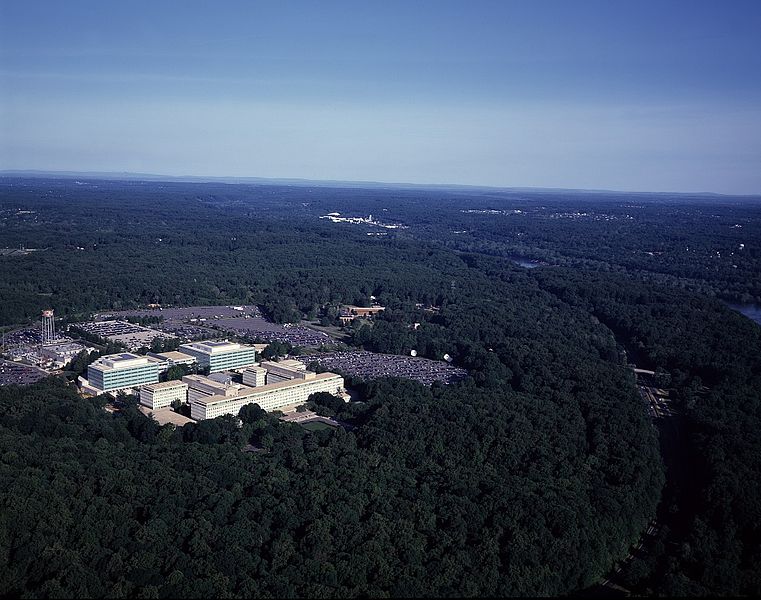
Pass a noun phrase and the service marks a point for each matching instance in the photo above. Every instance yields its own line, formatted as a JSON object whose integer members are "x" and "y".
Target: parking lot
{"x": 23, "y": 337}
{"x": 12, "y": 373}
{"x": 370, "y": 365}
{"x": 184, "y": 314}
{"x": 131, "y": 335}
{"x": 196, "y": 322}
{"x": 258, "y": 327}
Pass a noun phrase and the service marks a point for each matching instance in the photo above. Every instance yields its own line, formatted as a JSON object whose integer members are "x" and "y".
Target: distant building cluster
{"x": 280, "y": 395}
{"x": 232, "y": 377}
{"x": 350, "y": 312}
{"x": 42, "y": 346}
{"x": 271, "y": 385}
{"x": 335, "y": 217}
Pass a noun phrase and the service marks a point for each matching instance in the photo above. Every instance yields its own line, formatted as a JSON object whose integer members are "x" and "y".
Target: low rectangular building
{"x": 220, "y": 355}
{"x": 270, "y": 397}
{"x": 161, "y": 395}
{"x": 121, "y": 371}
{"x": 172, "y": 359}
{"x": 350, "y": 312}
{"x": 61, "y": 352}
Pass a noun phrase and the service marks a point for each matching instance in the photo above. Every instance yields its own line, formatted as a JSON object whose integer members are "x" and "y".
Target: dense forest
{"x": 533, "y": 476}
{"x": 124, "y": 244}
{"x": 711, "y": 357}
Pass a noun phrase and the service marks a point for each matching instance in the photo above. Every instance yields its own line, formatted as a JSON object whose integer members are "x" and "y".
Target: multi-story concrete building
{"x": 270, "y": 397}
{"x": 255, "y": 376}
{"x": 220, "y": 355}
{"x": 286, "y": 370}
{"x": 161, "y": 395}
{"x": 121, "y": 371}
{"x": 203, "y": 387}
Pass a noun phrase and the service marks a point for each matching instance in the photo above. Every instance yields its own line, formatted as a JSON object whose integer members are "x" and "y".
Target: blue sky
{"x": 658, "y": 96}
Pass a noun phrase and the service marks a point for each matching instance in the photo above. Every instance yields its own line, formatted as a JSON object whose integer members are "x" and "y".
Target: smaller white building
{"x": 255, "y": 376}
{"x": 61, "y": 352}
{"x": 161, "y": 395}
{"x": 171, "y": 359}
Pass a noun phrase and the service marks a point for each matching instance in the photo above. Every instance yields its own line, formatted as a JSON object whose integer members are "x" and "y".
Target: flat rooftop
{"x": 290, "y": 363}
{"x": 215, "y": 347}
{"x": 166, "y": 415}
{"x": 62, "y": 346}
{"x": 255, "y": 391}
{"x": 198, "y": 382}
{"x": 173, "y": 355}
{"x": 165, "y": 385}
{"x": 200, "y": 378}
{"x": 119, "y": 361}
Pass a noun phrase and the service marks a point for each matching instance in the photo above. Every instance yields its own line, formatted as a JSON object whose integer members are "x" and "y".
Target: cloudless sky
{"x": 630, "y": 95}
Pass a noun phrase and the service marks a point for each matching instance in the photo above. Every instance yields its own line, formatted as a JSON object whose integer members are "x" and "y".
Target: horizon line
{"x": 301, "y": 181}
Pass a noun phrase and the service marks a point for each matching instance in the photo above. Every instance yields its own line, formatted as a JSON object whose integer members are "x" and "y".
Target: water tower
{"x": 48, "y": 326}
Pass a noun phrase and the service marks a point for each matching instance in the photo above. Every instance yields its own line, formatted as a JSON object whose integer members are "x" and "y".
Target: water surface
{"x": 749, "y": 309}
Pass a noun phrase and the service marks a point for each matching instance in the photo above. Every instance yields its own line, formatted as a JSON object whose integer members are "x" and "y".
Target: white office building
{"x": 220, "y": 355}
{"x": 270, "y": 397}
{"x": 161, "y": 395}
{"x": 121, "y": 371}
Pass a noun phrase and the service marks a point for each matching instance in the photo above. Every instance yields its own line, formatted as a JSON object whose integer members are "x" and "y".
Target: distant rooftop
{"x": 172, "y": 355}
{"x": 165, "y": 385}
{"x": 214, "y": 347}
{"x": 119, "y": 361}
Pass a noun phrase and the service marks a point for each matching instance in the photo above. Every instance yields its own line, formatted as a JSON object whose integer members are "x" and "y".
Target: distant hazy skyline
{"x": 642, "y": 96}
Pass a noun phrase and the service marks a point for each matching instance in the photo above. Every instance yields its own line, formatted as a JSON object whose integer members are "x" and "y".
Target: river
{"x": 750, "y": 310}
{"x": 526, "y": 263}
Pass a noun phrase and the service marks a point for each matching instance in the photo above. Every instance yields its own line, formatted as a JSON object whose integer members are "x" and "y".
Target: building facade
{"x": 220, "y": 355}
{"x": 286, "y": 370}
{"x": 255, "y": 376}
{"x": 62, "y": 351}
{"x": 121, "y": 371}
{"x": 269, "y": 397}
{"x": 161, "y": 395}
{"x": 203, "y": 387}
